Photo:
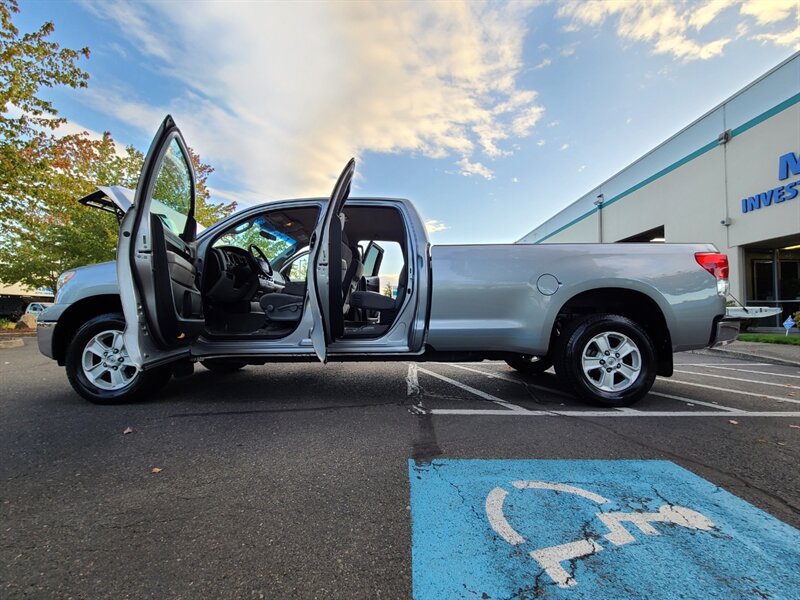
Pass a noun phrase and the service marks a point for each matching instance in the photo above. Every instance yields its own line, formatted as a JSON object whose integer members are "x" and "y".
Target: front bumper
{"x": 725, "y": 333}
{"x": 44, "y": 337}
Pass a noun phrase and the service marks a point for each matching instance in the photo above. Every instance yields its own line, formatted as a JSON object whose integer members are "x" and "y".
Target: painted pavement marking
{"x": 729, "y": 390}
{"x": 780, "y": 385}
{"x": 476, "y": 392}
{"x": 412, "y": 380}
{"x": 728, "y": 368}
{"x": 613, "y": 413}
{"x": 590, "y": 529}
{"x": 699, "y": 402}
{"x": 542, "y": 388}
{"x": 747, "y": 364}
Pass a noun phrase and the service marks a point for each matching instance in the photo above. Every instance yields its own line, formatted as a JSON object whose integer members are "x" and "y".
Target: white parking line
{"x": 719, "y": 389}
{"x": 610, "y": 413}
{"x": 747, "y": 364}
{"x": 560, "y": 393}
{"x": 476, "y": 392}
{"x": 512, "y": 380}
{"x": 780, "y": 385}
{"x": 412, "y": 381}
{"x": 691, "y": 401}
{"x": 750, "y": 371}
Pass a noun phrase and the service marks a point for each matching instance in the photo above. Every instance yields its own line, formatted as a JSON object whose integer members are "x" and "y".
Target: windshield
{"x": 279, "y": 234}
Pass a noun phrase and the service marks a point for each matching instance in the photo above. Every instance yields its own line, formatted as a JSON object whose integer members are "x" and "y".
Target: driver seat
{"x": 287, "y": 306}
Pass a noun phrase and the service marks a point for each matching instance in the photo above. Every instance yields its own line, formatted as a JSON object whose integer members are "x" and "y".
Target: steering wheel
{"x": 261, "y": 261}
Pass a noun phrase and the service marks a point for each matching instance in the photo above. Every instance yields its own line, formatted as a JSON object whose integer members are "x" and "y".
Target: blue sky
{"x": 491, "y": 117}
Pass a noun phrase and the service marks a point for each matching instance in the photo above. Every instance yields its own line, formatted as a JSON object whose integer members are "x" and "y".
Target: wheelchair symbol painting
{"x": 588, "y": 529}
{"x": 550, "y": 558}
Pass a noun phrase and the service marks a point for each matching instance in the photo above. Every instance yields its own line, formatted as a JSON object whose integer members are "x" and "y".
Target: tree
{"x": 28, "y": 63}
{"x": 43, "y": 229}
{"x": 54, "y": 233}
{"x": 387, "y": 290}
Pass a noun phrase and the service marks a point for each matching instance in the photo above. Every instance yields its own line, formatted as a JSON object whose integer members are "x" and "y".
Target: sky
{"x": 491, "y": 117}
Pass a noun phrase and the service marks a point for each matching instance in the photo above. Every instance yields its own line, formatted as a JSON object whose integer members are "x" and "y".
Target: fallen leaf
{"x": 127, "y": 430}
{"x": 794, "y": 426}
{"x": 732, "y": 422}
{"x": 156, "y": 470}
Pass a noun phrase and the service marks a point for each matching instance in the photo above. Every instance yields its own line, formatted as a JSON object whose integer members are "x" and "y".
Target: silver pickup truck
{"x": 298, "y": 280}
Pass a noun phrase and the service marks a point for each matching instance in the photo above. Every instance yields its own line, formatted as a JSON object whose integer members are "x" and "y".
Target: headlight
{"x": 62, "y": 280}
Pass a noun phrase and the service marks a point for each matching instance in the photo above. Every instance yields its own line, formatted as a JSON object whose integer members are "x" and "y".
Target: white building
{"x": 731, "y": 178}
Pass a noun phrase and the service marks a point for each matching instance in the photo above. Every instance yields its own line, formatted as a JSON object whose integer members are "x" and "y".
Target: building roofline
{"x": 756, "y": 81}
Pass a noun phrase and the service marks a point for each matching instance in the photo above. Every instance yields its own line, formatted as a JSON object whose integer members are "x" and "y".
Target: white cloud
{"x": 677, "y": 28}
{"x": 564, "y": 146}
{"x": 665, "y": 25}
{"x": 435, "y": 226}
{"x": 540, "y": 143}
{"x": 306, "y": 86}
{"x": 474, "y": 168}
{"x": 628, "y": 121}
{"x": 545, "y": 62}
{"x": 554, "y": 123}
{"x": 581, "y": 168}
{"x": 514, "y": 180}
{"x": 769, "y": 11}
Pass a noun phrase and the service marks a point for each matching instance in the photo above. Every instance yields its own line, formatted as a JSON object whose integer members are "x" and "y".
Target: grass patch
{"x": 770, "y": 338}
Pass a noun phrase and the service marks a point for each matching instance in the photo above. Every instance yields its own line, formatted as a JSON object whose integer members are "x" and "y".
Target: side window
{"x": 172, "y": 189}
{"x": 299, "y": 269}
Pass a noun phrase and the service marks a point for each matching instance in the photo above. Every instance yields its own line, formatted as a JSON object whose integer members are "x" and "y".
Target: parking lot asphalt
{"x": 292, "y": 480}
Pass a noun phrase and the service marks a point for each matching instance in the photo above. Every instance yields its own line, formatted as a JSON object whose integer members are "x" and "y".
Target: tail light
{"x": 715, "y": 263}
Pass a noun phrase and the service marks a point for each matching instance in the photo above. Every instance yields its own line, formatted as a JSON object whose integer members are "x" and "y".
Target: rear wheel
{"x": 98, "y": 366}
{"x": 217, "y": 365}
{"x": 607, "y": 359}
{"x": 529, "y": 364}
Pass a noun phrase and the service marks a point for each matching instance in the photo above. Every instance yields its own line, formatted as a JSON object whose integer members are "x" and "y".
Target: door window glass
{"x": 172, "y": 191}
{"x": 299, "y": 269}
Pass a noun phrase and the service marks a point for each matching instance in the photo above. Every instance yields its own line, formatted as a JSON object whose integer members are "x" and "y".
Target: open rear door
{"x": 325, "y": 280}
{"x": 156, "y": 256}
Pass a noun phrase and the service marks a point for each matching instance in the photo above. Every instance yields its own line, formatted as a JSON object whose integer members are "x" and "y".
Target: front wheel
{"x": 98, "y": 366}
{"x": 607, "y": 359}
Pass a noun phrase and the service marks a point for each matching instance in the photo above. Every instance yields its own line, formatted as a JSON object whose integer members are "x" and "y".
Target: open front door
{"x": 325, "y": 273}
{"x": 155, "y": 255}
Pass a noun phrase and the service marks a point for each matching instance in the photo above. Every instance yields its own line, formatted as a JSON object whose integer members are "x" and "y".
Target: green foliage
{"x": 387, "y": 290}
{"x": 6, "y": 324}
{"x": 28, "y": 63}
{"x": 770, "y": 338}
{"x": 43, "y": 229}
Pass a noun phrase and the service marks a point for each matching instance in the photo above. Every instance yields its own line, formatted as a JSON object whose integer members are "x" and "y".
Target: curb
{"x": 12, "y": 343}
{"x": 751, "y": 357}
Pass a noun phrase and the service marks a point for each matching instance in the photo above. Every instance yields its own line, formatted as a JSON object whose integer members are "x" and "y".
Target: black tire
{"x": 569, "y": 360}
{"x": 141, "y": 385}
{"x": 529, "y": 364}
{"x": 219, "y": 365}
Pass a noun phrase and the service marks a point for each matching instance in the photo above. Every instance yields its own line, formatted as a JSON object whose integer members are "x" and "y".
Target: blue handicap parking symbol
{"x": 591, "y": 529}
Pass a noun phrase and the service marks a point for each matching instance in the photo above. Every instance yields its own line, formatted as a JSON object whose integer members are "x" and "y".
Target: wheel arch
{"x": 76, "y": 315}
{"x": 636, "y": 305}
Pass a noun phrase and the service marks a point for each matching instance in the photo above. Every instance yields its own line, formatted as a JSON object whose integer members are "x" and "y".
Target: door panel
{"x": 155, "y": 257}
{"x": 373, "y": 257}
{"x": 325, "y": 282}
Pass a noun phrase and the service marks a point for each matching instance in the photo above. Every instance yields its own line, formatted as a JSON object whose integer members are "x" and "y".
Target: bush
{"x": 6, "y": 324}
